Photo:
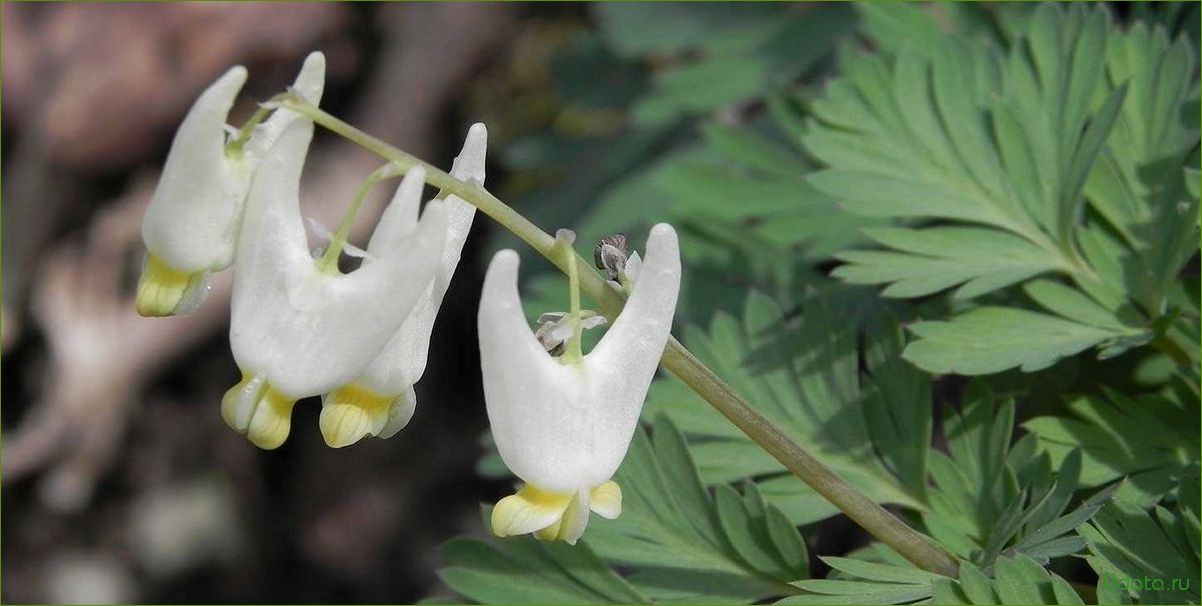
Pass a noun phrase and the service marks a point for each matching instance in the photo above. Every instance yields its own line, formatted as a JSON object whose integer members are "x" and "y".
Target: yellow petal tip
{"x": 165, "y": 291}
{"x": 343, "y": 424}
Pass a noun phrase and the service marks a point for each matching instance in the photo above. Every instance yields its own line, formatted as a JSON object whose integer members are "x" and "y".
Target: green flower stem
{"x": 573, "y": 352}
{"x": 912, "y": 545}
{"x": 328, "y": 262}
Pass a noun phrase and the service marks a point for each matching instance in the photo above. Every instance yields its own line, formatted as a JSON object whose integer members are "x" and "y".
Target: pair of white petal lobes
{"x": 381, "y": 401}
{"x": 297, "y": 331}
{"x": 191, "y": 226}
{"x": 563, "y": 427}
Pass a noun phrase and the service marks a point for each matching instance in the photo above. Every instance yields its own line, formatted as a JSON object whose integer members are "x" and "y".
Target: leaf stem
{"x": 879, "y": 522}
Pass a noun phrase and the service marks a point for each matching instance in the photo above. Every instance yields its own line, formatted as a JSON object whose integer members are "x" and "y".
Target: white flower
{"x": 562, "y": 426}
{"x": 381, "y": 401}
{"x": 191, "y": 226}
{"x": 296, "y": 330}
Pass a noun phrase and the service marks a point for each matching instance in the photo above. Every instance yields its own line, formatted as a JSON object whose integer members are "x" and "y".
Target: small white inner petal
{"x": 230, "y": 131}
{"x": 560, "y": 332}
{"x": 633, "y": 264}
{"x": 593, "y": 321}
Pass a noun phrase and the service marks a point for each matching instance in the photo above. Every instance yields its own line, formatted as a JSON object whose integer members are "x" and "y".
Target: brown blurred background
{"x": 120, "y": 481}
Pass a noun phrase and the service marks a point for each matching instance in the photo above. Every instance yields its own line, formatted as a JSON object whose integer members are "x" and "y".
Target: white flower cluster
{"x": 301, "y": 328}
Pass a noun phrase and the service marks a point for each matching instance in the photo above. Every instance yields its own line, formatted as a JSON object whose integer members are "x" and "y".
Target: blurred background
{"x": 121, "y": 483}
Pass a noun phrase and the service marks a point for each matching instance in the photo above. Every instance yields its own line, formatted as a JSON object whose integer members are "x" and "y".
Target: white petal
{"x": 192, "y": 221}
{"x": 566, "y": 427}
{"x": 400, "y": 414}
{"x": 310, "y": 83}
{"x": 554, "y": 424}
{"x": 633, "y": 265}
{"x": 402, "y": 362}
{"x": 632, "y": 347}
{"x": 306, "y": 331}
{"x": 400, "y": 216}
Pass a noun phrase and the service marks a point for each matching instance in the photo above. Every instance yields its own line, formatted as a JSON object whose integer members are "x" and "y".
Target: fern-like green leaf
{"x": 687, "y": 545}
{"x": 1154, "y": 546}
{"x": 1152, "y": 439}
{"x": 676, "y": 541}
{"x": 873, "y": 428}
{"x": 1002, "y": 150}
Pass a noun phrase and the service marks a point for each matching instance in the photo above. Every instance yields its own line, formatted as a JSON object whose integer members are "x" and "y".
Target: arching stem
{"x": 879, "y": 522}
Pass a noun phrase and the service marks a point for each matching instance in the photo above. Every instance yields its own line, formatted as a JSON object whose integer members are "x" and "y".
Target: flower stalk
{"x": 886, "y": 527}
{"x": 328, "y": 263}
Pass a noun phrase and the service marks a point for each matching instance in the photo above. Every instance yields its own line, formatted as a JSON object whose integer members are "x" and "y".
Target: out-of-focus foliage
{"x": 1021, "y": 179}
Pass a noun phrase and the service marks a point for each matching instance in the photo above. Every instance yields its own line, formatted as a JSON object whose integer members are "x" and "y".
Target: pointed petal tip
{"x": 506, "y": 261}
{"x": 234, "y": 76}
{"x": 477, "y": 135}
{"x": 469, "y": 164}
{"x": 310, "y": 82}
{"x": 314, "y": 59}
{"x": 218, "y": 98}
{"x": 415, "y": 175}
{"x": 662, "y": 231}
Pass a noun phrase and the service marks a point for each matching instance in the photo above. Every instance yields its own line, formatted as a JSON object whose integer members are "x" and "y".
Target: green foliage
{"x": 1127, "y": 541}
{"x": 803, "y": 374}
{"x": 1151, "y": 439}
{"x": 688, "y": 543}
{"x": 1015, "y": 580}
{"x": 679, "y": 542}
{"x": 736, "y": 53}
{"x": 521, "y": 570}
{"x": 990, "y": 156}
{"x": 1020, "y": 180}
{"x": 992, "y": 499}
{"x": 866, "y": 583}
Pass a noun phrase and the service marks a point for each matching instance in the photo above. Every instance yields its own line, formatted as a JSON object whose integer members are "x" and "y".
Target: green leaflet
{"x": 1015, "y": 580}
{"x": 992, "y": 339}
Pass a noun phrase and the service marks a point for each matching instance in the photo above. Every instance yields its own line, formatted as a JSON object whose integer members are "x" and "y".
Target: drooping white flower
{"x": 560, "y": 425}
{"x": 298, "y": 330}
{"x": 381, "y": 401}
{"x": 191, "y": 226}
